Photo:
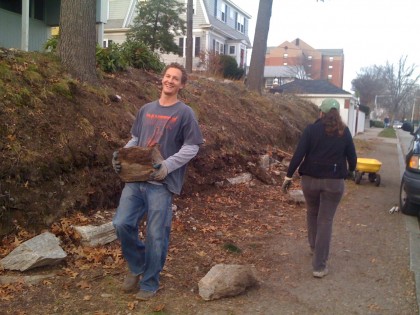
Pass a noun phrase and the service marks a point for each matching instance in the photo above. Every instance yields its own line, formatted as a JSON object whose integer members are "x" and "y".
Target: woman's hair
{"x": 334, "y": 126}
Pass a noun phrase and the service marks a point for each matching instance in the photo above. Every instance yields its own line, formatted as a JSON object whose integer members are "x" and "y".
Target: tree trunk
{"x": 256, "y": 70}
{"x": 189, "y": 45}
{"x": 78, "y": 39}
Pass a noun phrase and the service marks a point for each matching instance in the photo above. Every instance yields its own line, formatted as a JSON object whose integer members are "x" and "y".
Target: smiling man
{"x": 172, "y": 125}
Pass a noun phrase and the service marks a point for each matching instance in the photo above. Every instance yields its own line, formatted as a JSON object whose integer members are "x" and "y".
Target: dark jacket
{"x": 323, "y": 156}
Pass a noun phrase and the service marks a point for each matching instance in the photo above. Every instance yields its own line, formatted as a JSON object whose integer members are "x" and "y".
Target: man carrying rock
{"x": 171, "y": 124}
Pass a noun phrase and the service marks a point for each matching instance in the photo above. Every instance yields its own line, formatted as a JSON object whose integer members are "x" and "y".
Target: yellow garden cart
{"x": 369, "y": 166}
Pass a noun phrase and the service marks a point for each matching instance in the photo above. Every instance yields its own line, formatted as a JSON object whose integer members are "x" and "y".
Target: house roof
{"x": 310, "y": 87}
{"x": 228, "y": 31}
{"x": 282, "y": 71}
{"x": 331, "y": 52}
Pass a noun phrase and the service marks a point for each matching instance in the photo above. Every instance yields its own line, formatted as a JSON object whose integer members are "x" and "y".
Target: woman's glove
{"x": 286, "y": 184}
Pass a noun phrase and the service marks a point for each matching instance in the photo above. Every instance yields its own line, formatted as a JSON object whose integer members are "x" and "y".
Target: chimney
{"x": 297, "y": 41}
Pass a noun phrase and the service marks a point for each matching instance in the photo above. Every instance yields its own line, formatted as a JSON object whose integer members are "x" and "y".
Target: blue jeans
{"x": 322, "y": 197}
{"x": 147, "y": 258}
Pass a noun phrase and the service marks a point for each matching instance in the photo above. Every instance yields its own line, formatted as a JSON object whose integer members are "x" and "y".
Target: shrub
{"x": 51, "y": 43}
{"x": 111, "y": 59}
{"x": 230, "y": 67}
{"x": 376, "y": 123}
{"x": 138, "y": 55}
{"x": 211, "y": 62}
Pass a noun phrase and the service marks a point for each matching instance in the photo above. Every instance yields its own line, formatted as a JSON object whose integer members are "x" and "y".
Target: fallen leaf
{"x": 201, "y": 253}
{"x": 83, "y": 284}
{"x": 159, "y": 308}
{"x": 132, "y": 305}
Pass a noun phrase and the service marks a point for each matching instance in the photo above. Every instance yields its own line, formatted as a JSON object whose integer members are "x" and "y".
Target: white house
{"x": 316, "y": 91}
{"x": 27, "y": 24}
{"x": 218, "y": 26}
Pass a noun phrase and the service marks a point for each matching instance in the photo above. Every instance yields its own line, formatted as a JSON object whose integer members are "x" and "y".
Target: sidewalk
{"x": 412, "y": 223}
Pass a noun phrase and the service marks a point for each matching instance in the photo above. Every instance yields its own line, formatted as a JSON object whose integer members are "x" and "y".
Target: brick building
{"x": 319, "y": 64}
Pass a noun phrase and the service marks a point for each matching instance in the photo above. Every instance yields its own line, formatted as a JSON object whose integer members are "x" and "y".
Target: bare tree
{"x": 297, "y": 72}
{"x": 77, "y": 46}
{"x": 400, "y": 83}
{"x": 256, "y": 69}
{"x": 368, "y": 84}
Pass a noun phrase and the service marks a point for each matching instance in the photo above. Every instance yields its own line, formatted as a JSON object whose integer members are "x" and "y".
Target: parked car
{"x": 410, "y": 182}
{"x": 397, "y": 124}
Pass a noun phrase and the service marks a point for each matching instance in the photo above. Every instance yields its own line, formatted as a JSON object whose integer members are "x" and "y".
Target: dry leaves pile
{"x": 223, "y": 226}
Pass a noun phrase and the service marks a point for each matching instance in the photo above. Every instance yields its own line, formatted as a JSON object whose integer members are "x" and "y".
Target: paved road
{"x": 412, "y": 223}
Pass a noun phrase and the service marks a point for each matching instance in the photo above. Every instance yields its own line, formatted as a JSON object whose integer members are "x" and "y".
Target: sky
{"x": 370, "y": 32}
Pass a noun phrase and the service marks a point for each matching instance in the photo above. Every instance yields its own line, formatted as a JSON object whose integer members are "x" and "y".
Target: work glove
{"x": 286, "y": 184}
{"x": 161, "y": 171}
{"x": 350, "y": 175}
{"x": 116, "y": 164}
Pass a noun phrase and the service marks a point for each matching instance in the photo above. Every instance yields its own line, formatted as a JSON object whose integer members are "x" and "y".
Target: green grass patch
{"x": 232, "y": 248}
{"x": 388, "y": 133}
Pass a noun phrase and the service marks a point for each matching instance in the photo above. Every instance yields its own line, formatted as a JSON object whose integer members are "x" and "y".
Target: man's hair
{"x": 180, "y": 67}
{"x": 333, "y": 123}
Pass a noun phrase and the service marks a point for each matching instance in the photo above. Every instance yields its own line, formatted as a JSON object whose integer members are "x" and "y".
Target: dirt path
{"x": 369, "y": 263}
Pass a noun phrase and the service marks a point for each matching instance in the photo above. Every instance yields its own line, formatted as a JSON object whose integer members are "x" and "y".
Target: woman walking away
{"x": 326, "y": 146}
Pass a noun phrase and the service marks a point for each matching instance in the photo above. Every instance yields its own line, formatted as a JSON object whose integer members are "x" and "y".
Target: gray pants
{"x": 322, "y": 197}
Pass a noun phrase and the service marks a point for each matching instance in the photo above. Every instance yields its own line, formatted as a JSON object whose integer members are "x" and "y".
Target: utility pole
{"x": 189, "y": 43}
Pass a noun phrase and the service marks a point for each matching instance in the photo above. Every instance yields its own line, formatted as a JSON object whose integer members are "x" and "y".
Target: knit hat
{"x": 328, "y": 104}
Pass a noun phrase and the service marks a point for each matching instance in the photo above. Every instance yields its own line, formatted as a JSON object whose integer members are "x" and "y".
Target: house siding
{"x": 118, "y": 9}
{"x": 38, "y": 31}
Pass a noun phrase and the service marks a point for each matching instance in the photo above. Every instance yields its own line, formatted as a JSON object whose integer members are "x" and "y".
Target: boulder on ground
{"x": 41, "y": 250}
{"x": 226, "y": 280}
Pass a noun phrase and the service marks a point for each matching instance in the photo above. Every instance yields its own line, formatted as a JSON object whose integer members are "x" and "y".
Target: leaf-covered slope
{"x": 57, "y": 135}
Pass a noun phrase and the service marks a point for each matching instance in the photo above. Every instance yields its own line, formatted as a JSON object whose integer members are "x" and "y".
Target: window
{"x": 240, "y": 22}
{"x": 107, "y": 43}
{"x": 284, "y": 63}
{"x": 285, "y": 56}
{"x": 309, "y": 66}
{"x": 231, "y": 50}
{"x": 181, "y": 47}
{"x": 197, "y": 47}
{"x": 330, "y": 77}
{"x": 331, "y": 59}
{"x": 309, "y": 57}
{"x": 218, "y": 47}
{"x": 221, "y": 10}
{"x": 330, "y": 67}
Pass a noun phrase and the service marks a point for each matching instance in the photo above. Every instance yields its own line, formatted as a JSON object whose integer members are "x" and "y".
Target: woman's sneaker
{"x": 320, "y": 274}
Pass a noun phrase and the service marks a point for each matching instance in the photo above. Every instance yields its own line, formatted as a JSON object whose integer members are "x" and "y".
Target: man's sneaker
{"x": 131, "y": 283}
{"x": 143, "y": 295}
{"x": 320, "y": 274}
